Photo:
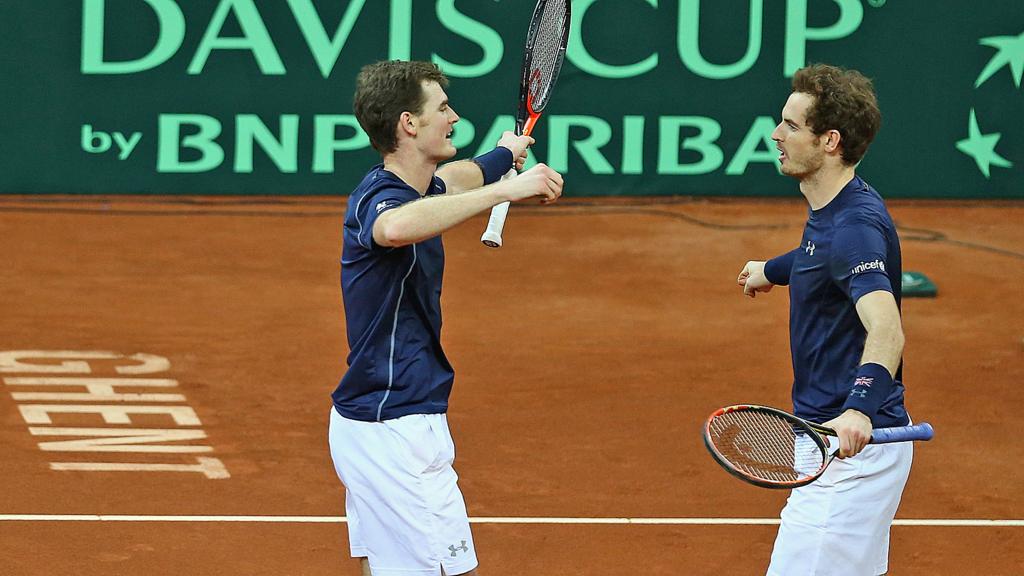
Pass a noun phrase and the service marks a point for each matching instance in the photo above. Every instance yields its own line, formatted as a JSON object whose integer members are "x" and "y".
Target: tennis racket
{"x": 542, "y": 60}
{"x": 774, "y": 449}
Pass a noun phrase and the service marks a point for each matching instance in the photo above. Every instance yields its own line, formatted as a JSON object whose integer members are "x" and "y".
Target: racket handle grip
{"x": 496, "y": 223}
{"x": 922, "y": 431}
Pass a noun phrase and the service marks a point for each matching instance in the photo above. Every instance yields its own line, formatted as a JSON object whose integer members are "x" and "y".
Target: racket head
{"x": 546, "y": 41}
{"x": 766, "y": 446}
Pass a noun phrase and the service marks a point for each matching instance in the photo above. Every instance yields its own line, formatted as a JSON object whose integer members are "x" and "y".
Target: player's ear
{"x": 832, "y": 139}
{"x": 408, "y": 123}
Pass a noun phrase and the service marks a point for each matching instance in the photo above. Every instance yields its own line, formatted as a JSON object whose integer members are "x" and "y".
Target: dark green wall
{"x": 656, "y": 96}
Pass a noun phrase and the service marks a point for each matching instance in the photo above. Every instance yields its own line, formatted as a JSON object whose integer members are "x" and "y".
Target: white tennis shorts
{"x": 838, "y": 525}
{"x": 405, "y": 512}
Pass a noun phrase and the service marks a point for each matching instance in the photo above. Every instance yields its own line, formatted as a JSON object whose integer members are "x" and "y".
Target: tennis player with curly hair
{"x": 846, "y": 335}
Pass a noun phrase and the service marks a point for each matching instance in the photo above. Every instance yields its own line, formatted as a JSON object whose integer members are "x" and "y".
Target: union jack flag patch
{"x": 863, "y": 381}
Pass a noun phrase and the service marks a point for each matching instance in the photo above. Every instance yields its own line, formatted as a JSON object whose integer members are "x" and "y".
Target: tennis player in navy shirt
{"x": 389, "y": 435}
{"x": 846, "y": 336}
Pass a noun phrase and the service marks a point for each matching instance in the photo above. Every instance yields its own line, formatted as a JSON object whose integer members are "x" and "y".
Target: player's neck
{"x": 413, "y": 170}
{"x": 825, "y": 184}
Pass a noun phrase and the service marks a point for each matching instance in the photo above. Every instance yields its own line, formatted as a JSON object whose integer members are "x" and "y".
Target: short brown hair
{"x": 844, "y": 100}
{"x": 386, "y": 89}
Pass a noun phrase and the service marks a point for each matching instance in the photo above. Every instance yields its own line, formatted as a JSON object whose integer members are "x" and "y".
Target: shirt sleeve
{"x": 858, "y": 256}
{"x": 370, "y": 206}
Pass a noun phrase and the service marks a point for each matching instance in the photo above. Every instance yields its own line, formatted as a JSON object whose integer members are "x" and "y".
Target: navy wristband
{"x": 777, "y": 269}
{"x": 494, "y": 164}
{"x": 871, "y": 387}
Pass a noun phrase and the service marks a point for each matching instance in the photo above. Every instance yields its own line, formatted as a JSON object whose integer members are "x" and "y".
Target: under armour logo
{"x": 386, "y": 204}
{"x": 859, "y": 393}
{"x": 809, "y": 248}
{"x": 455, "y": 549}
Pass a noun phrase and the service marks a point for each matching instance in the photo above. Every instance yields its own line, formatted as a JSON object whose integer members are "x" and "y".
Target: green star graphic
{"x": 1010, "y": 51}
{"x": 982, "y": 147}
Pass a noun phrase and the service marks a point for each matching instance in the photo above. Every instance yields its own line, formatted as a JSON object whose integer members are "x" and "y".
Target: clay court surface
{"x": 588, "y": 352}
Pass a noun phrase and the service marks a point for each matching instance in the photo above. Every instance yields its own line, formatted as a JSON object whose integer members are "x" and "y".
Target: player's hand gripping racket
{"x": 774, "y": 449}
{"x": 542, "y": 59}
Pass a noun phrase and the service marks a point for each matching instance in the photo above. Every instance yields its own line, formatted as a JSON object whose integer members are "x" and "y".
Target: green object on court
{"x": 917, "y": 285}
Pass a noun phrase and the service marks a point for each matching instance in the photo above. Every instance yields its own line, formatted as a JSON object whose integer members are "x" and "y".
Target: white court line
{"x": 495, "y": 520}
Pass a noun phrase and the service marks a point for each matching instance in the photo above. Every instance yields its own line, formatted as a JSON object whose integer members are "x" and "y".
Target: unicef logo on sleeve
{"x": 873, "y": 265}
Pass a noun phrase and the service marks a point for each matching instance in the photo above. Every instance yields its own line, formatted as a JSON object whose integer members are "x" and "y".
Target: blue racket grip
{"x": 922, "y": 431}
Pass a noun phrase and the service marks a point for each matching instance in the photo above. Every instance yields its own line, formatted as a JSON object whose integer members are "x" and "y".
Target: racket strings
{"x": 547, "y": 52}
{"x": 766, "y": 446}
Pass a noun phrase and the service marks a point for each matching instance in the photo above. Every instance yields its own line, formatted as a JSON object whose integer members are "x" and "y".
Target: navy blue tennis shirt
{"x": 849, "y": 248}
{"x": 392, "y": 296}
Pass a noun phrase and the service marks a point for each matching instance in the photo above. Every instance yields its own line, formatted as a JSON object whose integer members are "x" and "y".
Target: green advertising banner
{"x": 656, "y": 96}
